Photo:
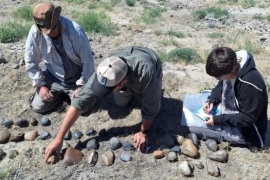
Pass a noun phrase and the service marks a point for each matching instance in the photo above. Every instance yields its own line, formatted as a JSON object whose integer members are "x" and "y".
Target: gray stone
{"x": 44, "y": 135}
{"x": 33, "y": 121}
{"x": 4, "y": 136}
{"x": 7, "y": 122}
{"x": 220, "y": 156}
{"x": 198, "y": 164}
{"x": 115, "y": 143}
{"x": 175, "y": 149}
{"x": 16, "y": 136}
{"x": 89, "y": 131}
{"x": 211, "y": 145}
{"x": 212, "y": 169}
{"x": 125, "y": 157}
{"x": 92, "y": 157}
{"x": 77, "y": 134}
{"x": 172, "y": 157}
{"x": 21, "y": 122}
{"x": 45, "y": 121}
{"x": 128, "y": 146}
{"x": 185, "y": 169}
{"x": 92, "y": 144}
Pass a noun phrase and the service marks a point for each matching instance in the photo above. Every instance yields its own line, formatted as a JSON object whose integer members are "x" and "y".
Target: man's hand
{"x": 208, "y": 107}
{"x": 210, "y": 121}
{"x": 140, "y": 140}
{"x": 54, "y": 146}
{"x": 45, "y": 94}
{"x": 76, "y": 92}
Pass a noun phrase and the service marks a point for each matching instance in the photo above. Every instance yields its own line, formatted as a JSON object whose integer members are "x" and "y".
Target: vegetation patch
{"x": 150, "y": 15}
{"x": 215, "y": 35}
{"x": 24, "y": 12}
{"x": 13, "y": 32}
{"x": 211, "y": 12}
{"x": 175, "y": 33}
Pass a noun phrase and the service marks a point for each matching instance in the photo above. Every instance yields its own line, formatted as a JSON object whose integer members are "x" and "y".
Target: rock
{"x": 165, "y": 149}
{"x": 189, "y": 149}
{"x": 211, "y": 145}
{"x": 7, "y": 123}
{"x": 224, "y": 146}
{"x": 52, "y": 159}
{"x": 4, "y": 136}
{"x": 185, "y": 169}
{"x": 3, "y": 60}
{"x": 108, "y": 158}
{"x": 92, "y": 157}
{"x": 89, "y": 131}
{"x": 92, "y": 144}
{"x": 172, "y": 157}
{"x": 72, "y": 156}
{"x": 44, "y": 135}
{"x": 68, "y": 135}
{"x": 77, "y": 134}
{"x": 115, "y": 143}
{"x": 125, "y": 157}
{"x": 128, "y": 146}
{"x": 45, "y": 121}
{"x": 21, "y": 122}
{"x": 2, "y": 154}
{"x": 16, "y": 137}
{"x": 102, "y": 132}
{"x": 33, "y": 121}
{"x": 220, "y": 156}
{"x": 158, "y": 154}
{"x": 194, "y": 139}
{"x": 212, "y": 169}
{"x": 28, "y": 152}
{"x": 198, "y": 164}
{"x": 31, "y": 135}
{"x": 12, "y": 154}
{"x": 65, "y": 145}
{"x": 165, "y": 139}
{"x": 179, "y": 139}
{"x": 41, "y": 150}
{"x": 175, "y": 149}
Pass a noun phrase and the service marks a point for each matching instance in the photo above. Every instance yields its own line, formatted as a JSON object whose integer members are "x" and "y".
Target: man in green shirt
{"x": 127, "y": 72}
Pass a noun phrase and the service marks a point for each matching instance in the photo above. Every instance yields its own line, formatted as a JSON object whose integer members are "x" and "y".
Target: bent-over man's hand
{"x": 54, "y": 146}
{"x": 45, "y": 94}
{"x": 210, "y": 121}
{"x": 140, "y": 140}
{"x": 76, "y": 92}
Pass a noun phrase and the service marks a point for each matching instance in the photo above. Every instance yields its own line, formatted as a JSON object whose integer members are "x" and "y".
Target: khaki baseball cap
{"x": 46, "y": 16}
{"x": 110, "y": 72}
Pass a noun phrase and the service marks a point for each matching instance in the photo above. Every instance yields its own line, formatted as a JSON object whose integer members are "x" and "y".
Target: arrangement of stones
{"x": 169, "y": 147}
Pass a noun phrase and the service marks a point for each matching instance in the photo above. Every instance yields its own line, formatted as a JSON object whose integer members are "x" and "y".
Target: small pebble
{"x": 194, "y": 139}
{"x": 220, "y": 156}
{"x": 172, "y": 157}
{"x": 45, "y": 121}
{"x": 102, "y": 132}
{"x": 21, "y": 122}
{"x": 212, "y": 169}
{"x": 13, "y": 154}
{"x": 175, "y": 149}
{"x": 108, "y": 158}
{"x": 125, "y": 157}
{"x": 2, "y": 154}
{"x": 158, "y": 154}
{"x": 179, "y": 139}
{"x": 211, "y": 145}
{"x": 185, "y": 169}
{"x": 4, "y": 136}
{"x": 77, "y": 134}
{"x": 52, "y": 159}
{"x": 89, "y": 131}
{"x": 92, "y": 144}
{"x": 115, "y": 143}
{"x": 44, "y": 135}
{"x": 7, "y": 123}
{"x": 33, "y": 121}
{"x": 198, "y": 164}
{"x": 16, "y": 137}
{"x": 68, "y": 135}
{"x": 128, "y": 146}
{"x": 31, "y": 135}
{"x": 28, "y": 152}
{"x": 92, "y": 157}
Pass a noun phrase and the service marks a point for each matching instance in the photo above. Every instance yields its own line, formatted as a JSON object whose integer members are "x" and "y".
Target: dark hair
{"x": 220, "y": 61}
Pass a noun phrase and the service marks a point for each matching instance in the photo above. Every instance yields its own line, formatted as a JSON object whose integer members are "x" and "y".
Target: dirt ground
{"x": 179, "y": 79}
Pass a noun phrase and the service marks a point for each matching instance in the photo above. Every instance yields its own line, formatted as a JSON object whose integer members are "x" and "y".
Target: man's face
{"x": 55, "y": 31}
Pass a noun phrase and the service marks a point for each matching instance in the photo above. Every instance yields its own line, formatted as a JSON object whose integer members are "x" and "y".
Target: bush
{"x": 215, "y": 35}
{"x": 187, "y": 54}
{"x": 24, "y": 12}
{"x": 213, "y": 12}
{"x": 12, "y": 32}
{"x": 150, "y": 15}
{"x": 130, "y": 2}
{"x": 175, "y": 33}
{"x": 97, "y": 23}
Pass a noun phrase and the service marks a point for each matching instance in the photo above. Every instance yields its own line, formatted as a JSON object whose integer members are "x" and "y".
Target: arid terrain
{"x": 240, "y": 30}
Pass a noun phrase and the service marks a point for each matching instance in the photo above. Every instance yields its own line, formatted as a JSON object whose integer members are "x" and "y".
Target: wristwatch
{"x": 144, "y": 131}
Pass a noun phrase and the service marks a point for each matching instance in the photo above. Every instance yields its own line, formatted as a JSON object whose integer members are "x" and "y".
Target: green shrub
{"x": 215, "y": 35}
{"x": 150, "y": 15}
{"x": 248, "y": 3}
{"x": 97, "y": 23}
{"x": 13, "y": 31}
{"x": 75, "y": 1}
{"x": 230, "y": 2}
{"x": 175, "y": 33}
{"x": 130, "y": 2}
{"x": 24, "y": 12}
{"x": 158, "y": 32}
{"x": 213, "y": 12}
{"x": 189, "y": 55}
{"x": 258, "y": 17}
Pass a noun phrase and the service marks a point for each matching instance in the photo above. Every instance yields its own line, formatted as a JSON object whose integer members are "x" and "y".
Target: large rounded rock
{"x": 220, "y": 156}
{"x": 4, "y": 136}
{"x": 108, "y": 158}
{"x": 16, "y": 136}
{"x": 72, "y": 156}
{"x": 189, "y": 149}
